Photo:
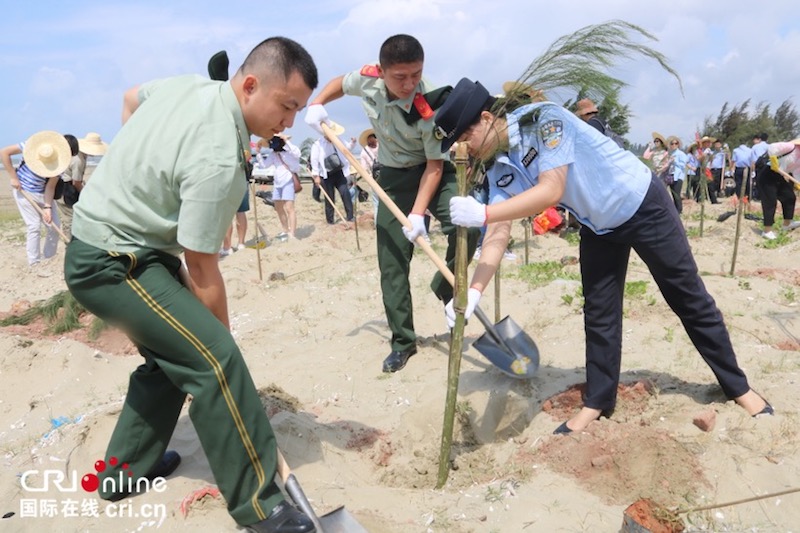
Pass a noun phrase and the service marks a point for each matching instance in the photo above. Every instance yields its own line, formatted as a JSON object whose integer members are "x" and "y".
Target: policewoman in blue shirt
{"x": 544, "y": 156}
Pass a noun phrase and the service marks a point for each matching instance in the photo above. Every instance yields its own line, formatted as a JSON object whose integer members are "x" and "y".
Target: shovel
{"x": 336, "y": 521}
{"x": 505, "y": 345}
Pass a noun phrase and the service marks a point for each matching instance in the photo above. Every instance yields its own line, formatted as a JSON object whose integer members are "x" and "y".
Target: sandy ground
{"x": 314, "y": 335}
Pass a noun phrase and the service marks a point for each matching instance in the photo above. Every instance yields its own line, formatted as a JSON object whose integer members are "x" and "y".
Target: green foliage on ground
{"x": 61, "y": 312}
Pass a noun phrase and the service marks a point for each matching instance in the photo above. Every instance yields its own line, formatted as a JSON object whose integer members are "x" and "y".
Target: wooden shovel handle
{"x": 398, "y": 214}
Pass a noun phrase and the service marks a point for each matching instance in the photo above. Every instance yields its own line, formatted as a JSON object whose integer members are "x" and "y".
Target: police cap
{"x": 460, "y": 111}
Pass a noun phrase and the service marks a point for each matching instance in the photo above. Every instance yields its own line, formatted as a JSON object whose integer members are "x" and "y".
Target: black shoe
{"x": 284, "y": 518}
{"x": 766, "y": 411}
{"x": 563, "y": 429}
{"x": 397, "y": 360}
{"x": 165, "y": 467}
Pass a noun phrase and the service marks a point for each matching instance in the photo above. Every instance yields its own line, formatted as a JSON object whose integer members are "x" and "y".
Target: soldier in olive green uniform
{"x": 170, "y": 183}
{"x": 401, "y": 105}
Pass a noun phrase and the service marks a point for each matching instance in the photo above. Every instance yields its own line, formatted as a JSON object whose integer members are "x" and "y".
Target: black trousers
{"x": 675, "y": 189}
{"x": 772, "y": 188}
{"x": 656, "y": 234}
{"x": 738, "y": 177}
{"x": 337, "y": 182}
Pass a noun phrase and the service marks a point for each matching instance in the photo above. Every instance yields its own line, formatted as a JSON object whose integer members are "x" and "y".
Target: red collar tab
{"x": 423, "y": 107}
{"x": 371, "y": 71}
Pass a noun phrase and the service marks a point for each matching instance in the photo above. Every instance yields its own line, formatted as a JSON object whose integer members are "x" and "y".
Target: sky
{"x": 66, "y": 65}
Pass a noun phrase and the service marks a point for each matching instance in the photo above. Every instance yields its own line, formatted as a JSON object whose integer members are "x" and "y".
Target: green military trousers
{"x": 395, "y": 251}
{"x": 186, "y": 350}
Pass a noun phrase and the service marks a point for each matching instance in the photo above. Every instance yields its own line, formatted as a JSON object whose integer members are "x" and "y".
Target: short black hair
{"x": 73, "y": 144}
{"x": 284, "y": 56}
{"x": 400, "y": 48}
{"x": 763, "y": 136}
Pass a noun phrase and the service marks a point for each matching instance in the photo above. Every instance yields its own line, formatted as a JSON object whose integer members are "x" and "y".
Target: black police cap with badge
{"x": 460, "y": 111}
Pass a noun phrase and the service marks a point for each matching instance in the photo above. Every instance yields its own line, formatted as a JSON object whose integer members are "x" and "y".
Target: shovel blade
{"x": 340, "y": 521}
{"x": 523, "y": 360}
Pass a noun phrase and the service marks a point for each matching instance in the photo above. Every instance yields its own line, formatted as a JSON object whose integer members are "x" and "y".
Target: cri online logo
{"x": 123, "y": 482}
{"x": 90, "y": 482}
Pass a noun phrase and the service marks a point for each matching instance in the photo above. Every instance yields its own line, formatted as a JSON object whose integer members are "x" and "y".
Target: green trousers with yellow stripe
{"x": 395, "y": 251}
{"x": 186, "y": 350}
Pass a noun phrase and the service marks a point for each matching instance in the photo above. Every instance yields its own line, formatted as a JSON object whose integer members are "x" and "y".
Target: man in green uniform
{"x": 170, "y": 183}
{"x": 400, "y": 104}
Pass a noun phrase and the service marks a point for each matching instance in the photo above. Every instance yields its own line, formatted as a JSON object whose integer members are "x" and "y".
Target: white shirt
{"x": 285, "y": 162}
{"x": 368, "y": 157}
{"x": 321, "y": 149}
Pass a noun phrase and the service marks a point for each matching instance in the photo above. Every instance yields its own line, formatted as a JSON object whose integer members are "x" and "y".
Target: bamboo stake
{"x": 497, "y": 316}
{"x": 258, "y": 230}
{"x": 355, "y": 215}
{"x": 527, "y": 223}
{"x": 35, "y": 205}
{"x": 703, "y": 198}
{"x": 739, "y": 215}
{"x": 457, "y": 333}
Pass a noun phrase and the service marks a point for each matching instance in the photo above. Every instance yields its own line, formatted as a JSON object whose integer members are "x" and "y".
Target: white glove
{"x": 467, "y": 211}
{"x": 473, "y": 297}
{"x": 315, "y": 115}
{"x": 418, "y": 223}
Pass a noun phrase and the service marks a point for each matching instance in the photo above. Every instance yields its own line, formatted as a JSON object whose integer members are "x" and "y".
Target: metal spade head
{"x": 522, "y": 361}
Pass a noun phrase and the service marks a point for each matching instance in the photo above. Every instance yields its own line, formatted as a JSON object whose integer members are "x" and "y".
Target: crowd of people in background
{"x": 708, "y": 170}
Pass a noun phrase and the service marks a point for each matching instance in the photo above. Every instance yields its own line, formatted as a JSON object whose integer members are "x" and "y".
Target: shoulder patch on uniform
{"x": 529, "y": 157}
{"x": 371, "y": 71}
{"x": 504, "y": 180}
{"x": 551, "y": 133}
{"x": 423, "y": 106}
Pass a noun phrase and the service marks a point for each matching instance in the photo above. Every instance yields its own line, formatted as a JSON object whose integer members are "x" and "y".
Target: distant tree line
{"x": 736, "y": 124}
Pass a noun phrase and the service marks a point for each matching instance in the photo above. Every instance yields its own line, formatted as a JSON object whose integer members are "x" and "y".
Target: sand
{"x": 315, "y": 336}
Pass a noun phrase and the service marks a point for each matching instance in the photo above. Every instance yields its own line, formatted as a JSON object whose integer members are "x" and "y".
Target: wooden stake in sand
{"x": 457, "y": 333}
{"x": 258, "y": 230}
{"x": 739, "y": 215}
{"x": 497, "y": 315}
{"x": 36, "y": 206}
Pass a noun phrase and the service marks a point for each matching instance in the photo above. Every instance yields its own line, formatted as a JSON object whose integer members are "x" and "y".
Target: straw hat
{"x": 362, "y": 139}
{"x": 661, "y": 138}
{"x": 92, "y": 144}
{"x": 337, "y": 128}
{"x": 706, "y": 138}
{"x": 673, "y": 138}
{"x": 796, "y": 141}
{"x": 510, "y": 87}
{"x": 47, "y": 154}
{"x": 584, "y": 107}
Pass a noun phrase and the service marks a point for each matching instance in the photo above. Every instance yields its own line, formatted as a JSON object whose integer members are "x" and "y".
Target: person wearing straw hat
{"x": 545, "y": 155}
{"x": 329, "y": 170}
{"x": 73, "y": 177}
{"x": 400, "y": 105}
{"x": 656, "y": 152}
{"x": 677, "y": 169}
{"x": 170, "y": 184}
{"x": 45, "y": 156}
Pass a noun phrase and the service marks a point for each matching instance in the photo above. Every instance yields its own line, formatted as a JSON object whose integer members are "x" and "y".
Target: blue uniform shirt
{"x": 605, "y": 184}
{"x": 679, "y": 162}
{"x": 741, "y": 156}
{"x": 757, "y": 151}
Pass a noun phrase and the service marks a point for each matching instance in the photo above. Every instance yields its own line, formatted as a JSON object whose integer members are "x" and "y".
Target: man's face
{"x": 401, "y": 79}
{"x": 372, "y": 141}
{"x": 270, "y": 107}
